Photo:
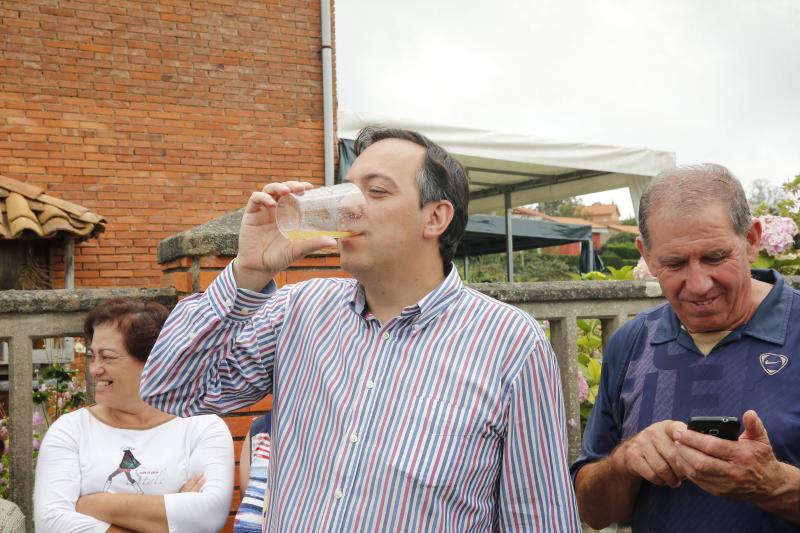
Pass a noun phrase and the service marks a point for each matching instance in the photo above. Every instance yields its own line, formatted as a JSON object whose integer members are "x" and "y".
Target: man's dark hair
{"x": 139, "y": 322}
{"x": 441, "y": 177}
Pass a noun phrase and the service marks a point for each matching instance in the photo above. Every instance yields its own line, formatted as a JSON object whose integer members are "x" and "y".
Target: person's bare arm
{"x": 607, "y": 489}
{"x": 744, "y": 470}
{"x": 244, "y": 465}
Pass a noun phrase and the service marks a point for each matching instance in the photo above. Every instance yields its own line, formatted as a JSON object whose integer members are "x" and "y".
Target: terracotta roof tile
{"x": 26, "y": 209}
{"x": 528, "y": 212}
{"x": 597, "y": 209}
{"x": 633, "y": 230}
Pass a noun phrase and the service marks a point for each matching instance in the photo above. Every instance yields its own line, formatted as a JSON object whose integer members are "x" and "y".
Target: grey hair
{"x": 690, "y": 188}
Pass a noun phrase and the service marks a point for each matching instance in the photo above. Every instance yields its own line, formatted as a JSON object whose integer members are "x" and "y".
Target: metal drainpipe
{"x": 327, "y": 89}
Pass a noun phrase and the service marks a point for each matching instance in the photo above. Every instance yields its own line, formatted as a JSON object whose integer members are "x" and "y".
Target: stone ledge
{"x": 66, "y": 300}
{"x": 543, "y": 291}
{"x": 219, "y": 237}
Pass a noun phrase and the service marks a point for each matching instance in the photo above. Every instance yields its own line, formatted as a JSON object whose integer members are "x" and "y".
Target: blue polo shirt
{"x": 653, "y": 371}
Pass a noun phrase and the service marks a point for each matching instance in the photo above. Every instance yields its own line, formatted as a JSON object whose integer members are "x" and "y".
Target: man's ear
{"x": 438, "y": 219}
{"x": 753, "y": 238}
{"x": 642, "y": 250}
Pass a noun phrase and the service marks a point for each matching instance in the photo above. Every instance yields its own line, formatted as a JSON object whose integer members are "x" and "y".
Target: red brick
{"x": 182, "y": 281}
{"x": 181, "y": 262}
{"x": 213, "y": 261}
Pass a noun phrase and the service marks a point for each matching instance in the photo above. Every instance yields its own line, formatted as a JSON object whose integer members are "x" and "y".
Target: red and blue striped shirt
{"x": 447, "y": 418}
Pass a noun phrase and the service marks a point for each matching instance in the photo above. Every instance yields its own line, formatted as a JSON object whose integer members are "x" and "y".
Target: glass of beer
{"x": 335, "y": 211}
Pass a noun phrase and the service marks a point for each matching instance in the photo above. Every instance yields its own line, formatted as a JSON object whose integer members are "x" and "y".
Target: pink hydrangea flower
{"x": 38, "y": 420}
{"x": 583, "y": 387}
{"x": 778, "y": 234}
{"x": 641, "y": 272}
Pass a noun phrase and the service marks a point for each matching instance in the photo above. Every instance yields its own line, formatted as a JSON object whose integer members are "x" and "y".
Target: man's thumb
{"x": 753, "y": 427}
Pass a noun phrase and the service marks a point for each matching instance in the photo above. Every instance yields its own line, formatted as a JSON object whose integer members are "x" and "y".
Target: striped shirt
{"x": 446, "y": 418}
{"x": 250, "y": 515}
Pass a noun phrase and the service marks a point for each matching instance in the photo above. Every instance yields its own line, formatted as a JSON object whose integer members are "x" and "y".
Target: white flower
{"x": 80, "y": 348}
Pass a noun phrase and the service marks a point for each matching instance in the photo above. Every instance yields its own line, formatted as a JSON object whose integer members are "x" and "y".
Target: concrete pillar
{"x": 564, "y": 338}
{"x": 610, "y": 325}
{"x": 21, "y": 425}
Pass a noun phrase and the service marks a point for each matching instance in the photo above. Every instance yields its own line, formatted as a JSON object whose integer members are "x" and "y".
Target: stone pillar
{"x": 564, "y": 337}
{"x": 21, "y": 425}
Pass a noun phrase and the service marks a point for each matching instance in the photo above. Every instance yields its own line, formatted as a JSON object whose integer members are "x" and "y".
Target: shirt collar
{"x": 770, "y": 322}
{"x": 428, "y": 308}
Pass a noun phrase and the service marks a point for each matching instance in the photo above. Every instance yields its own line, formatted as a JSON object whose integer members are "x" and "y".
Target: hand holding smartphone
{"x": 724, "y": 427}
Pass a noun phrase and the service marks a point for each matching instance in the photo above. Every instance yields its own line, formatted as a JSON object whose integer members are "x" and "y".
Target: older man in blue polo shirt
{"x": 727, "y": 343}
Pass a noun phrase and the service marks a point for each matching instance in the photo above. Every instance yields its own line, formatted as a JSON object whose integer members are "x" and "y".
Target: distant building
{"x": 600, "y": 213}
{"x": 604, "y": 219}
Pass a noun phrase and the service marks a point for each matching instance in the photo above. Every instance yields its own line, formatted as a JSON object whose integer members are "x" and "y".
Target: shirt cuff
{"x": 229, "y": 301}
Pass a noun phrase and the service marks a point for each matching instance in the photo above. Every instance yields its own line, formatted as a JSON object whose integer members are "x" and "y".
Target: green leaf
{"x": 623, "y": 273}
{"x": 594, "y": 276}
{"x": 763, "y": 260}
{"x": 595, "y": 368}
{"x": 592, "y": 396}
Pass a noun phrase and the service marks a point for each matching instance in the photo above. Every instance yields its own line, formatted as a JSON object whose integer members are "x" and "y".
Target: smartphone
{"x": 724, "y": 427}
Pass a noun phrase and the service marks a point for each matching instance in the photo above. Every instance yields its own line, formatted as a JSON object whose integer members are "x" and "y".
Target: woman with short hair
{"x": 122, "y": 465}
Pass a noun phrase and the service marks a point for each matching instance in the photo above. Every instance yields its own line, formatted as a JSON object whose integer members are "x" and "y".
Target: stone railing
{"x": 27, "y": 315}
{"x": 562, "y": 304}
{"x": 24, "y": 317}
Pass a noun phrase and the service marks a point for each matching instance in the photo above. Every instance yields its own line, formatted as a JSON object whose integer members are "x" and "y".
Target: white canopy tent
{"x": 508, "y": 170}
{"x": 529, "y": 169}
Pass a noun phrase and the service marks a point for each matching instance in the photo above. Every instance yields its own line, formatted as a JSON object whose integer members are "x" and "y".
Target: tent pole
{"x": 509, "y": 237}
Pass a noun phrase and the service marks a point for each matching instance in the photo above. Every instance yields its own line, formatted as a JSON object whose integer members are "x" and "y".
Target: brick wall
{"x": 159, "y": 115}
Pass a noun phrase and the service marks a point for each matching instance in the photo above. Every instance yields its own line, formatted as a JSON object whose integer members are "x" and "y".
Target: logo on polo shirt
{"x": 772, "y": 363}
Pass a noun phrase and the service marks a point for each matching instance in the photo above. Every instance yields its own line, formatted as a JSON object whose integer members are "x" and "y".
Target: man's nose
{"x": 698, "y": 278}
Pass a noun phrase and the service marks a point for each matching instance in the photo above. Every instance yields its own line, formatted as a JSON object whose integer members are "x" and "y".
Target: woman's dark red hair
{"x": 139, "y": 322}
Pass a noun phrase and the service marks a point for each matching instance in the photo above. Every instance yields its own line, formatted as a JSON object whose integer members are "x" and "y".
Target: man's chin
{"x": 702, "y": 324}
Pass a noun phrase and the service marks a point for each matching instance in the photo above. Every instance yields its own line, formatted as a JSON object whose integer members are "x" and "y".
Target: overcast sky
{"x": 711, "y": 80}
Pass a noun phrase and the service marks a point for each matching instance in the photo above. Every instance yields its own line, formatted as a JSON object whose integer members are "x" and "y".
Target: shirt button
{"x": 338, "y": 494}
{"x": 415, "y": 328}
{"x": 370, "y": 384}
{"x": 353, "y": 438}
{"x": 228, "y": 303}
{"x": 386, "y": 335}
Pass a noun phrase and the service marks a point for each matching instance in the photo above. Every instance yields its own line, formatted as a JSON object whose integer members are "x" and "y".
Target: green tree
{"x": 565, "y": 207}
{"x": 765, "y": 197}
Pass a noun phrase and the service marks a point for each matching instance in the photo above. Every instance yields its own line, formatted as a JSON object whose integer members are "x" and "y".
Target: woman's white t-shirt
{"x": 82, "y": 455}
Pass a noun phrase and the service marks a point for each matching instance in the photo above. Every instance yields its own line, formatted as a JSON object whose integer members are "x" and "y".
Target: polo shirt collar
{"x": 770, "y": 322}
